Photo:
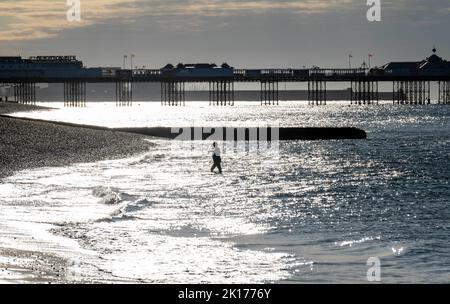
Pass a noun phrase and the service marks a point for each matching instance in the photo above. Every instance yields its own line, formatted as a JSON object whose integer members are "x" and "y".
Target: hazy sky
{"x": 285, "y": 33}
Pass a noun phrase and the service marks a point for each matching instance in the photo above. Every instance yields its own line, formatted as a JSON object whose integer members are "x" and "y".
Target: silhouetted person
{"x": 216, "y": 159}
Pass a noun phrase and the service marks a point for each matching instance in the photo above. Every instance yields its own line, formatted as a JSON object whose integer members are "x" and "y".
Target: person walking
{"x": 216, "y": 158}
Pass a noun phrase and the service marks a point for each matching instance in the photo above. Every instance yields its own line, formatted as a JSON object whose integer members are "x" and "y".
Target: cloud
{"x": 37, "y": 19}
{"x": 227, "y": 7}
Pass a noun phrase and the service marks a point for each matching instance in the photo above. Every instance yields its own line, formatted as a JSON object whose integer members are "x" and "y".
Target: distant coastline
{"x": 106, "y": 92}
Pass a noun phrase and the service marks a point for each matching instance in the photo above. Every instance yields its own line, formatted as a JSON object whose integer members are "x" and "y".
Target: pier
{"x": 411, "y": 81}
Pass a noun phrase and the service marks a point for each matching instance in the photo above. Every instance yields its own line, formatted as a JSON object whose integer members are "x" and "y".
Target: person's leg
{"x": 214, "y": 166}
{"x": 220, "y": 167}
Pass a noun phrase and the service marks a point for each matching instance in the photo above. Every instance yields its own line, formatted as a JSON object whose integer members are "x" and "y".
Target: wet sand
{"x": 32, "y": 144}
{"x": 18, "y": 266}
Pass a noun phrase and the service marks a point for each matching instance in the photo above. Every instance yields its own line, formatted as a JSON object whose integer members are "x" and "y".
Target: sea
{"x": 295, "y": 212}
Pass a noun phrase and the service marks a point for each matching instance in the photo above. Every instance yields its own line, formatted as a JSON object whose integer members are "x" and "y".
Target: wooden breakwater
{"x": 229, "y": 133}
{"x": 249, "y": 134}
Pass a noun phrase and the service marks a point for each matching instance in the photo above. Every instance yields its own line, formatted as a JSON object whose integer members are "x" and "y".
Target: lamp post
{"x": 350, "y": 61}
{"x": 132, "y": 56}
{"x": 124, "y": 61}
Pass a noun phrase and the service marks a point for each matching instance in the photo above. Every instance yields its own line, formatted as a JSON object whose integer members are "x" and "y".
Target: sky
{"x": 244, "y": 33}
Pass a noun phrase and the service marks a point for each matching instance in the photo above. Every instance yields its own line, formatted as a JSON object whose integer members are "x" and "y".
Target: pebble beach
{"x": 26, "y": 144}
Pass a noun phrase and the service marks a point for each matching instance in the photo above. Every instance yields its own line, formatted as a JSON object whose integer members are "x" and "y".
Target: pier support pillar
{"x": 422, "y": 92}
{"x": 173, "y": 93}
{"x": 75, "y": 94}
{"x": 317, "y": 92}
{"x": 399, "y": 92}
{"x": 4, "y": 88}
{"x": 415, "y": 92}
{"x": 124, "y": 93}
{"x": 364, "y": 92}
{"x": 25, "y": 93}
{"x": 270, "y": 93}
{"x": 221, "y": 93}
{"x": 444, "y": 92}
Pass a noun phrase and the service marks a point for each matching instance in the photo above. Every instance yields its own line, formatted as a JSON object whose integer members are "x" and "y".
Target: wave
{"x": 148, "y": 158}
{"x": 126, "y": 210}
{"x": 135, "y": 206}
{"x": 107, "y": 195}
{"x": 350, "y": 243}
{"x": 127, "y": 203}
